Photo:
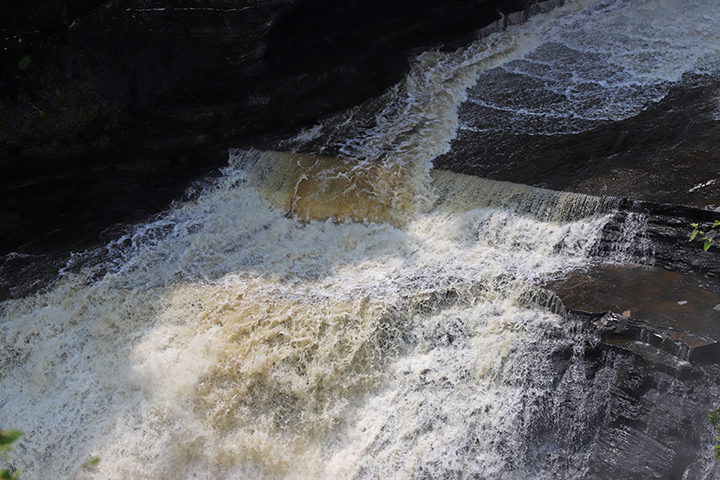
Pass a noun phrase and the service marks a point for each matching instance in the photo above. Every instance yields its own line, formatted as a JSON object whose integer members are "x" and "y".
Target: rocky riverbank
{"x": 110, "y": 109}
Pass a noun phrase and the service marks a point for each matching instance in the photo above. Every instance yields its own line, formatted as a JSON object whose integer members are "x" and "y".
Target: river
{"x": 340, "y": 307}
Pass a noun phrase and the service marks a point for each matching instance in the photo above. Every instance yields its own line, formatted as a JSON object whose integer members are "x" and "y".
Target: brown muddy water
{"x": 347, "y": 311}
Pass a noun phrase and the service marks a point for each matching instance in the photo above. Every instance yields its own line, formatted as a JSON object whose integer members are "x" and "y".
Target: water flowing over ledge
{"x": 237, "y": 335}
{"x": 344, "y": 310}
{"x": 112, "y": 108}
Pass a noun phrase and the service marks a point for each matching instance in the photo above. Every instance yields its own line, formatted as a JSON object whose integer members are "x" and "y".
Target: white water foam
{"x": 234, "y": 340}
{"x": 596, "y": 62}
{"x": 354, "y": 318}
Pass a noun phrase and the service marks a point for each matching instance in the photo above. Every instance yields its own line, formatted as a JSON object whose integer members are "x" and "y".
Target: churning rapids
{"x": 347, "y": 311}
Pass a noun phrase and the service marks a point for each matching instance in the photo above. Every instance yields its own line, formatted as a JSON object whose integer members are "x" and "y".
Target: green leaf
{"x": 714, "y": 417}
{"x": 693, "y": 235}
{"x": 7, "y": 437}
{"x": 91, "y": 461}
{"x": 5, "y": 475}
{"x": 707, "y": 246}
{"x": 23, "y": 64}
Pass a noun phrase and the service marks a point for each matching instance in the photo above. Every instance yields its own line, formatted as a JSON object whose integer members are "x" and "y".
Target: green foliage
{"x": 58, "y": 110}
{"x": 24, "y": 63}
{"x": 698, "y": 234}
{"x": 5, "y": 475}
{"x": 7, "y": 438}
{"x": 91, "y": 461}
{"x": 714, "y": 418}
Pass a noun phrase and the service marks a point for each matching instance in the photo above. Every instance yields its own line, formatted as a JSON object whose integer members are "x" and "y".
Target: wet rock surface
{"x": 631, "y": 398}
{"x": 666, "y": 154}
{"x": 662, "y": 236}
{"x": 664, "y": 297}
{"x": 631, "y": 402}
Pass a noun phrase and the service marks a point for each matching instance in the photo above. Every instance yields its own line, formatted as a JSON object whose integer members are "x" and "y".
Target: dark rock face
{"x": 630, "y": 400}
{"x": 664, "y": 154}
{"x": 109, "y": 109}
{"x": 132, "y": 99}
{"x": 663, "y": 237}
{"x": 25, "y": 21}
{"x": 631, "y": 396}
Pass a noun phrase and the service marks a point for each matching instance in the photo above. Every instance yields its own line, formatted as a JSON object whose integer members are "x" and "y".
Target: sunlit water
{"x": 343, "y": 313}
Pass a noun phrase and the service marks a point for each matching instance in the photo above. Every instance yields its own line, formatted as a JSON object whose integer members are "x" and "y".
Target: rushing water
{"x": 347, "y": 312}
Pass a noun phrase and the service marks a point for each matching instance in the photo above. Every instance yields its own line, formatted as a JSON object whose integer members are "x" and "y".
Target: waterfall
{"x": 243, "y": 334}
{"x": 333, "y": 309}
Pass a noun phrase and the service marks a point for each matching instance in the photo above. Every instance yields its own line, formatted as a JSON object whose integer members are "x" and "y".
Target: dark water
{"x": 667, "y": 153}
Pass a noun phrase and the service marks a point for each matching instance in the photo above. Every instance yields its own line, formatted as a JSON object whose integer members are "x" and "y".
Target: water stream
{"x": 345, "y": 311}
